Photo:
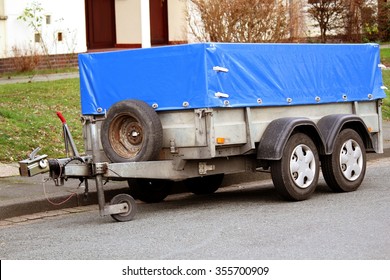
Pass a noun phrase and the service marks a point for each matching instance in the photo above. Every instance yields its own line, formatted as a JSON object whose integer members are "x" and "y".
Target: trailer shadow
{"x": 259, "y": 193}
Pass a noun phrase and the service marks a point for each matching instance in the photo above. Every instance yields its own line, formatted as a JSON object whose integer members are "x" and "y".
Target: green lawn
{"x": 385, "y": 59}
{"x": 28, "y": 118}
{"x": 385, "y": 56}
{"x": 386, "y": 101}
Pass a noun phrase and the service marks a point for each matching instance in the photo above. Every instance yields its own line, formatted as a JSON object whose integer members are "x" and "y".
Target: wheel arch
{"x": 330, "y": 126}
{"x": 278, "y": 132}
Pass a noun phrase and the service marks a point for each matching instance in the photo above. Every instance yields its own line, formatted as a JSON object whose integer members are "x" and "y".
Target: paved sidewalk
{"x": 38, "y": 78}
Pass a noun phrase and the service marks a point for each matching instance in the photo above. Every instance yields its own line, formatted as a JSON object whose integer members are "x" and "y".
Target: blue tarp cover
{"x": 185, "y": 76}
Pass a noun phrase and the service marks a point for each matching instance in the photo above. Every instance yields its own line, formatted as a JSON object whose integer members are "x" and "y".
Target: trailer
{"x": 196, "y": 112}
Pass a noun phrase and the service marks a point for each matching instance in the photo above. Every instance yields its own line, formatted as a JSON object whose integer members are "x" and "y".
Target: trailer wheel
{"x": 295, "y": 175}
{"x": 345, "y": 168}
{"x": 150, "y": 190}
{"x": 131, "y": 132}
{"x": 131, "y": 207}
{"x": 205, "y": 184}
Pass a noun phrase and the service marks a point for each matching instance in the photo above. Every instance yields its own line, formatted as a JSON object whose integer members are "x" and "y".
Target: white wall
{"x": 3, "y": 41}
{"x": 128, "y": 21}
{"x": 67, "y": 17}
{"x": 177, "y": 26}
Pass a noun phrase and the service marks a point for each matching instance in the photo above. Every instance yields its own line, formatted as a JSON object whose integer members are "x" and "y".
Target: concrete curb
{"x": 9, "y": 169}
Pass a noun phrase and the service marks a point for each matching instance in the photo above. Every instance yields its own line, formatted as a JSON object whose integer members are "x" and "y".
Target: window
{"x": 37, "y": 37}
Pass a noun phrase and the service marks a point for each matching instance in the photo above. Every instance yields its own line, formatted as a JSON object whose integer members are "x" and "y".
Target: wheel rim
{"x": 126, "y": 136}
{"x": 302, "y": 166}
{"x": 351, "y": 160}
{"x": 128, "y": 208}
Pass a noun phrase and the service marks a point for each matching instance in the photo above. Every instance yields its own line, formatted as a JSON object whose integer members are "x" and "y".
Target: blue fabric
{"x": 182, "y": 77}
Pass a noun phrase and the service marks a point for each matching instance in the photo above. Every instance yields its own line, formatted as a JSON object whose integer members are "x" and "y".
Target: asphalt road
{"x": 249, "y": 221}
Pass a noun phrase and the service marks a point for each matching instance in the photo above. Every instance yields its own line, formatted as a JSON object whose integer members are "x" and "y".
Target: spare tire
{"x": 132, "y": 131}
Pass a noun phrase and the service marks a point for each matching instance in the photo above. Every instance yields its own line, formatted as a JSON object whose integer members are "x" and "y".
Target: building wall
{"x": 177, "y": 21}
{"x": 3, "y": 17}
{"x": 57, "y": 61}
{"x": 66, "y": 17}
{"x": 128, "y": 19}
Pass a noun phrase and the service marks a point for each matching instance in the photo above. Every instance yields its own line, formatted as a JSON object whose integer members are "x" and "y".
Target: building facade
{"x": 76, "y": 26}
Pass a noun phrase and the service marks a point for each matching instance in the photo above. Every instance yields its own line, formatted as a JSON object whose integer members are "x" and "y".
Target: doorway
{"x": 100, "y": 20}
{"x": 158, "y": 22}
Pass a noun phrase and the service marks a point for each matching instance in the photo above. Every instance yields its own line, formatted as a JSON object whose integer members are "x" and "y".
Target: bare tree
{"x": 360, "y": 20}
{"x": 353, "y": 20}
{"x": 238, "y": 20}
{"x": 296, "y": 20}
{"x": 384, "y": 20}
{"x": 328, "y": 15}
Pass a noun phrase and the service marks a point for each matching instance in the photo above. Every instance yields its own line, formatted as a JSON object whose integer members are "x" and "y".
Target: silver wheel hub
{"x": 302, "y": 166}
{"x": 351, "y": 160}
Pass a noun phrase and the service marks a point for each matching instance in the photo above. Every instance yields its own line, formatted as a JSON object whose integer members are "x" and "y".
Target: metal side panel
{"x": 179, "y": 169}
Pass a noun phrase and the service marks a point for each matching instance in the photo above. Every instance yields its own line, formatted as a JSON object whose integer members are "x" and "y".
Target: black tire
{"x": 295, "y": 175}
{"x": 204, "y": 184}
{"x": 131, "y": 207}
{"x": 345, "y": 168}
{"x": 131, "y": 132}
{"x": 150, "y": 190}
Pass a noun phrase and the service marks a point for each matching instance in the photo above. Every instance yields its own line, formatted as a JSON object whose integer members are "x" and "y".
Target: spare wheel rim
{"x": 126, "y": 136}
